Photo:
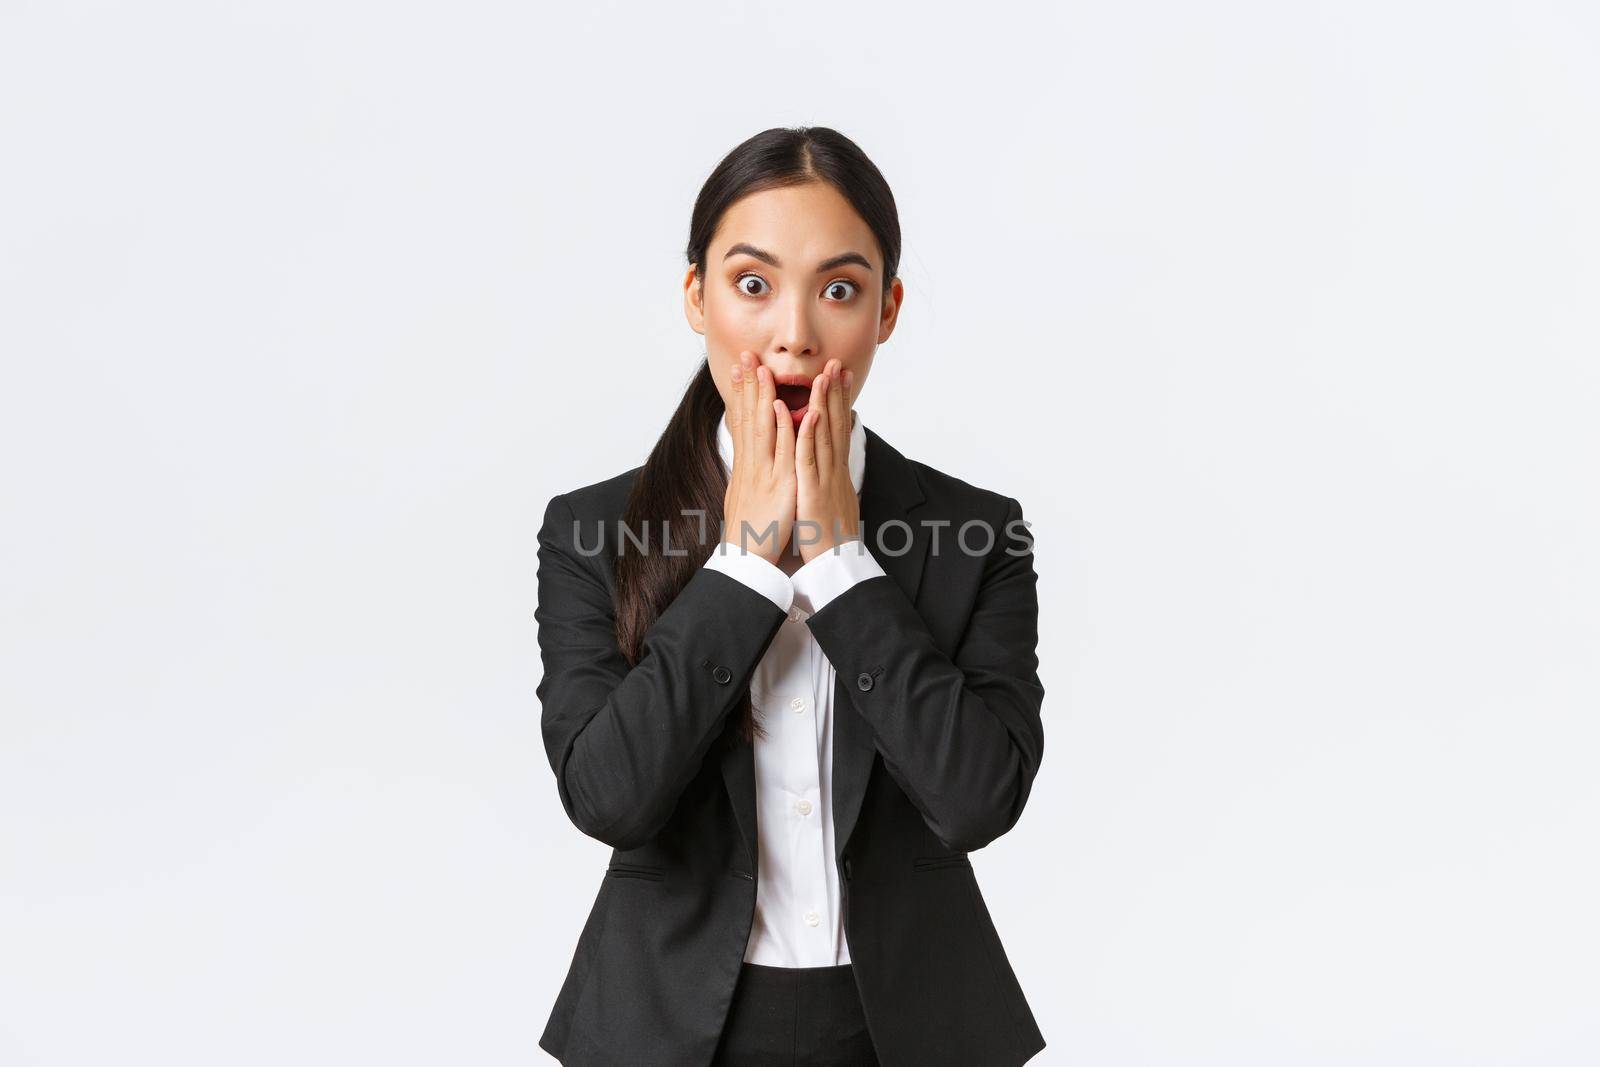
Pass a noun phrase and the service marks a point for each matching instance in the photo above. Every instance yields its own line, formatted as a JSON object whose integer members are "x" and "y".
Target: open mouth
{"x": 795, "y": 392}
{"x": 794, "y": 397}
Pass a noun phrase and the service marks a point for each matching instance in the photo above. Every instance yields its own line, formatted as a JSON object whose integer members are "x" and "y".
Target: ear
{"x": 693, "y": 306}
{"x": 891, "y": 309}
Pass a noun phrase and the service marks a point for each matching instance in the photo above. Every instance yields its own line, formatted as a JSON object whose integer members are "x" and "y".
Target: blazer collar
{"x": 890, "y": 493}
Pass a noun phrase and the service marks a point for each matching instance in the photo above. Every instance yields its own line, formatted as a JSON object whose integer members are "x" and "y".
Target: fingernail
{"x": 737, "y": 374}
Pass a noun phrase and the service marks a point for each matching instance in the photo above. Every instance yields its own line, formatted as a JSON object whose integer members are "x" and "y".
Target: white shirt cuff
{"x": 833, "y": 572}
{"x": 750, "y": 569}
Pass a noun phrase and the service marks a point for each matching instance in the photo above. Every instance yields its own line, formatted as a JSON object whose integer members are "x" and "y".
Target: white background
{"x": 1279, "y": 319}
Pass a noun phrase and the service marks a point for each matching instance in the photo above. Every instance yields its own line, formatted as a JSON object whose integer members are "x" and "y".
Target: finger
{"x": 824, "y": 431}
{"x": 762, "y": 431}
{"x": 805, "y": 443}
{"x": 839, "y": 414}
{"x": 735, "y": 408}
{"x": 783, "y": 440}
{"x": 850, "y": 402}
{"x": 748, "y": 401}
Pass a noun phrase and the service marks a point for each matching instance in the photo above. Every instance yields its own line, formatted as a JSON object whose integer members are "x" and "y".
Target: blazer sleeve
{"x": 625, "y": 742}
{"x": 961, "y": 734}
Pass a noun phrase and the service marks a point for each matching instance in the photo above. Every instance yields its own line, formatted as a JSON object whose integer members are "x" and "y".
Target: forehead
{"x": 810, "y": 221}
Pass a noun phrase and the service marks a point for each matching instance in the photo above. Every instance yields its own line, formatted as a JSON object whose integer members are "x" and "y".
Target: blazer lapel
{"x": 889, "y": 492}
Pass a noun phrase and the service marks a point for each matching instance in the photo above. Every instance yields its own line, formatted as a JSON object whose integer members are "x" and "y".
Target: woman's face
{"x": 794, "y": 276}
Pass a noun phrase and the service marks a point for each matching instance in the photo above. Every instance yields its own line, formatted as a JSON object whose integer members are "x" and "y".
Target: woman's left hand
{"x": 825, "y": 499}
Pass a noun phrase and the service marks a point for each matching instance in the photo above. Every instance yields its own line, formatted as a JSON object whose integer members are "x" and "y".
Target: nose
{"x": 793, "y": 332}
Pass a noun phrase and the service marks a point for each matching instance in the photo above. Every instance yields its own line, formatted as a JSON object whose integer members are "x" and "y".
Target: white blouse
{"x": 798, "y": 921}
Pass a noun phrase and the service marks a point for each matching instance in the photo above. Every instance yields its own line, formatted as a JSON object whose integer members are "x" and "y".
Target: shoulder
{"x": 604, "y": 499}
{"x": 950, "y": 499}
{"x": 581, "y": 520}
{"x": 941, "y": 486}
{"x": 949, "y": 496}
{"x": 939, "y": 490}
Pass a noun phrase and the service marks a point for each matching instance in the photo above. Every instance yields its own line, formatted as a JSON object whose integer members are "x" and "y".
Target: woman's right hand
{"x": 762, "y": 485}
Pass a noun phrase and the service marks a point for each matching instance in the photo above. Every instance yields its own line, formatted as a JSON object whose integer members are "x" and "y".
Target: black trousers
{"x": 796, "y": 1017}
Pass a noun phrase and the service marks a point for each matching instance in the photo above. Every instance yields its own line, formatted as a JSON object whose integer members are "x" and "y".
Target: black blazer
{"x": 937, "y": 737}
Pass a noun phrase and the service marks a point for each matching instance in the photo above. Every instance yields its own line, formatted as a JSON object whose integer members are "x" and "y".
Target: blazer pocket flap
{"x": 934, "y": 863}
{"x": 623, "y": 869}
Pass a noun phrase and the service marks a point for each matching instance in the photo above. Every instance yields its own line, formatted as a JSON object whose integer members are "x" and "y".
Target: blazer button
{"x": 847, "y": 868}
{"x": 863, "y": 681}
{"x": 723, "y": 675}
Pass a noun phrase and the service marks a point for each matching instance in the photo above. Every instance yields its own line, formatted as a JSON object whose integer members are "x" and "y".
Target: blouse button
{"x": 798, "y": 704}
{"x": 812, "y": 918}
{"x": 803, "y": 807}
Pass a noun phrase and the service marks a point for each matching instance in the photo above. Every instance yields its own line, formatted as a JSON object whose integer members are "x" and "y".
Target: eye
{"x": 854, "y": 288}
{"x": 742, "y": 283}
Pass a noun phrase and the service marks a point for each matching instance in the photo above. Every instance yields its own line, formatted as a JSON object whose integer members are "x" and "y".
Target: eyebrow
{"x": 827, "y": 264}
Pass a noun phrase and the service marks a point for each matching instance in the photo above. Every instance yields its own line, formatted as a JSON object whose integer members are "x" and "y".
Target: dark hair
{"x": 683, "y": 473}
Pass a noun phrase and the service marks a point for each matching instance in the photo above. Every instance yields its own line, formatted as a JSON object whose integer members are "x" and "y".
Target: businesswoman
{"x": 790, "y": 675}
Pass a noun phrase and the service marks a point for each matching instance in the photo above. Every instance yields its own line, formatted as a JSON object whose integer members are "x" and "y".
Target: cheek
{"x": 854, "y": 344}
{"x": 729, "y": 330}
{"x": 723, "y": 343}
{"x": 730, "y": 319}
{"x": 864, "y": 333}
